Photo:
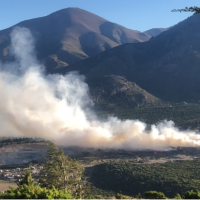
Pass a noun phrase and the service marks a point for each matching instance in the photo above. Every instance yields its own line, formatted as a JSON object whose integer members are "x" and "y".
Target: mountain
{"x": 167, "y": 66}
{"x": 70, "y": 35}
{"x": 155, "y": 31}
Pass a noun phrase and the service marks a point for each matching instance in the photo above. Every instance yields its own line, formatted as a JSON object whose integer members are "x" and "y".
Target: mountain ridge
{"x": 167, "y": 66}
{"x": 70, "y": 35}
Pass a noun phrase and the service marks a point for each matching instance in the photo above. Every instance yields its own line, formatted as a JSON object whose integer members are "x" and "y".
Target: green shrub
{"x": 191, "y": 195}
{"x": 154, "y": 195}
{"x": 35, "y": 192}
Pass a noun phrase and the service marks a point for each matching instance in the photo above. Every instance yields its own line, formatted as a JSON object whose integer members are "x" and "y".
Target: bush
{"x": 191, "y": 195}
{"x": 154, "y": 195}
{"x": 121, "y": 196}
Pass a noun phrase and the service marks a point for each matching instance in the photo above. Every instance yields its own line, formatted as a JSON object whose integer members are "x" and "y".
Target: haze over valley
{"x": 65, "y": 94}
{"x": 113, "y": 98}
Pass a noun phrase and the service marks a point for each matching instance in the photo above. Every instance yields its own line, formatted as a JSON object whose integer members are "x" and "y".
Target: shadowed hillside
{"x": 167, "y": 66}
{"x": 116, "y": 91}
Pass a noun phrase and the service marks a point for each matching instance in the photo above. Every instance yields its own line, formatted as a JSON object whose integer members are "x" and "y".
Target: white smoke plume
{"x": 58, "y": 107}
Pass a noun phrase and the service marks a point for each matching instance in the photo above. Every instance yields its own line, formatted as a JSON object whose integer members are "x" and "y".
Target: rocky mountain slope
{"x": 116, "y": 91}
{"x": 70, "y": 35}
{"x": 167, "y": 66}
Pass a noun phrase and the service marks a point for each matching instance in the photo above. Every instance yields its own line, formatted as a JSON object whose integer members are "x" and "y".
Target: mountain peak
{"x": 70, "y": 35}
{"x": 77, "y": 13}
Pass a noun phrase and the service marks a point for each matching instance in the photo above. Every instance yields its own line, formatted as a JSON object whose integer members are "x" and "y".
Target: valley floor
{"x": 125, "y": 162}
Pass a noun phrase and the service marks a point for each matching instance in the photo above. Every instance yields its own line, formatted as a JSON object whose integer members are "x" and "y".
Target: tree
{"x": 154, "y": 195}
{"x": 177, "y": 196}
{"x": 62, "y": 172}
{"x": 194, "y": 9}
{"x": 28, "y": 180}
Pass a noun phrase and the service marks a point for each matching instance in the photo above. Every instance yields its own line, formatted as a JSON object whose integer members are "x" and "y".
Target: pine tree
{"x": 28, "y": 180}
{"x": 62, "y": 172}
{"x": 194, "y": 9}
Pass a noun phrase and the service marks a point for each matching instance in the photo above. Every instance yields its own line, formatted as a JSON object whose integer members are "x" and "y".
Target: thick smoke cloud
{"x": 58, "y": 107}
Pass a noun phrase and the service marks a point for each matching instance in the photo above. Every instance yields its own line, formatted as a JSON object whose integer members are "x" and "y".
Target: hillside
{"x": 131, "y": 179}
{"x": 115, "y": 91}
{"x": 166, "y": 66}
{"x": 70, "y": 35}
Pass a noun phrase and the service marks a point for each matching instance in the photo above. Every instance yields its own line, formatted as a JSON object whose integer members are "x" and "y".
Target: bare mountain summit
{"x": 70, "y": 35}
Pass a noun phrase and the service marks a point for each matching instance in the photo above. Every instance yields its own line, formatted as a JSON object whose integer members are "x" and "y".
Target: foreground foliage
{"x": 35, "y": 192}
{"x": 191, "y": 195}
{"x": 27, "y": 189}
{"x": 195, "y": 10}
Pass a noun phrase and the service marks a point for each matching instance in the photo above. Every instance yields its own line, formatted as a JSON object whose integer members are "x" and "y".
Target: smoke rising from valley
{"x": 58, "y": 107}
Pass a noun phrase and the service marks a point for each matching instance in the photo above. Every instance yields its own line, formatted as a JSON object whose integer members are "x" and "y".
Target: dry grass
{"x": 4, "y": 184}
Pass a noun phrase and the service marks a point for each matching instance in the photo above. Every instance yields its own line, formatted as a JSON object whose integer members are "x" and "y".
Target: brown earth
{"x": 5, "y": 184}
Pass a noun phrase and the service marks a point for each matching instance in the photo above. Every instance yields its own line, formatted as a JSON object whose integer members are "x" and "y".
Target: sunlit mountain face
{"x": 70, "y": 35}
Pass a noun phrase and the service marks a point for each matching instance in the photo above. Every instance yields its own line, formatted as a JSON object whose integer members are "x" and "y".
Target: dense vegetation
{"x": 131, "y": 179}
{"x": 184, "y": 115}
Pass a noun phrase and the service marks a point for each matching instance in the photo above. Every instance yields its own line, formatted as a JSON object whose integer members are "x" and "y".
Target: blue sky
{"x": 134, "y": 14}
